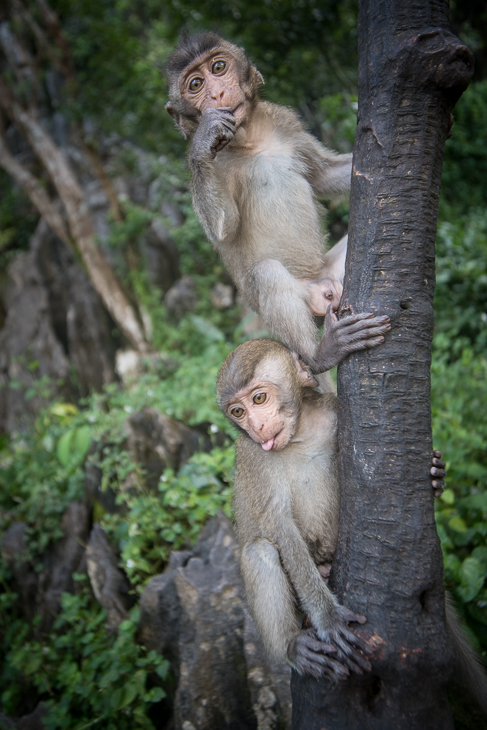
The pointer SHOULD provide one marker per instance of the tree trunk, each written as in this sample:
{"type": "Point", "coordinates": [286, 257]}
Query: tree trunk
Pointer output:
{"type": "Point", "coordinates": [388, 563]}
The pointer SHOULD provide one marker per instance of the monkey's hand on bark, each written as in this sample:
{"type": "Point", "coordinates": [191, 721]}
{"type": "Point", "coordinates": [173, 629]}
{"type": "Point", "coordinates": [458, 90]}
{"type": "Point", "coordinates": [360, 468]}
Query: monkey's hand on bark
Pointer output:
{"type": "Point", "coordinates": [216, 129]}
{"type": "Point", "coordinates": [439, 473]}
{"type": "Point", "coordinates": [350, 648]}
{"type": "Point", "coordinates": [333, 653]}
{"type": "Point", "coordinates": [341, 337]}
{"type": "Point", "coordinates": [308, 655]}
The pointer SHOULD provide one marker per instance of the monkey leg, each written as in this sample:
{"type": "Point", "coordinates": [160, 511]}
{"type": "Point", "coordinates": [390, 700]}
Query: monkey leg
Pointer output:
{"type": "Point", "coordinates": [273, 607]}
{"type": "Point", "coordinates": [282, 301]}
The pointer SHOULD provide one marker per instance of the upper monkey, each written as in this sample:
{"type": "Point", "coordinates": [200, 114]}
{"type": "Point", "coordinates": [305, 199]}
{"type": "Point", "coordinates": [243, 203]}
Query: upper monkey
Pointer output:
{"type": "Point", "coordinates": [256, 176]}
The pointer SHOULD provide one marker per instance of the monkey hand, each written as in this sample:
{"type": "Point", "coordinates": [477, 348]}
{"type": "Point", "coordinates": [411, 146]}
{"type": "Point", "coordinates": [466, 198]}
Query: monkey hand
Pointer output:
{"type": "Point", "coordinates": [439, 473]}
{"type": "Point", "coordinates": [216, 129]}
{"type": "Point", "coordinates": [308, 655]}
{"type": "Point", "coordinates": [341, 337]}
{"type": "Point", "coordinates": [350, 648]}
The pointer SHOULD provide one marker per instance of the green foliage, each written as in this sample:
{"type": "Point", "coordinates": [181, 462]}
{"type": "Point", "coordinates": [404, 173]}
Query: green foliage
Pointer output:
{"type": "Point", "coordinates": [41, 474]}
{"type": "Point", "coordinates": [459, 394]}
{"type": "Point", "coordinates": [84, 675]}
{"type": "Point", "coordinates": [170, 519]}
{"type": "Point", "coordinates": [465, 165]}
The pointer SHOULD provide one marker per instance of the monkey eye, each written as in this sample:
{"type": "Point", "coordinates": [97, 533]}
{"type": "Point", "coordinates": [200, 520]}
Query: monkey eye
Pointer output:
{"type": "Point", "coordinates": [259, 398]}
{"type": "Point", "coordinates": [195, 84]}
{"type": "Point", "coordinates": [237, 411]}
{"type": "Point", "coordinates": [218, 67]}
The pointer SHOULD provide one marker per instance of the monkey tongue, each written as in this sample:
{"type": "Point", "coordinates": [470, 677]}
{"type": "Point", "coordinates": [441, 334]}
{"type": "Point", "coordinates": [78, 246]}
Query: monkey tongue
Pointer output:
{"type": "Point", "coordinates": [267, 445]}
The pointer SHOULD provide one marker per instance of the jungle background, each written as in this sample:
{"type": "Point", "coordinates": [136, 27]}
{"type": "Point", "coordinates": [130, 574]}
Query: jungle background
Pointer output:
{"type": "Point", "coordinates": [85, 404]}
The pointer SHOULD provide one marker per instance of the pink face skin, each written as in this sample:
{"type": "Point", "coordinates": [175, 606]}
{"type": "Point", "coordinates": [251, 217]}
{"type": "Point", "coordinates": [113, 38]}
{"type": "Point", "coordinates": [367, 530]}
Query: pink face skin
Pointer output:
{"type": "Point", "coordinates": [322, 293]}
{"type": "Point", "coordinates": [257, 409]}
{"type": "Point", "coordinates": [266, 408]}
{"type": "Point", "coordinates": [213, 83]}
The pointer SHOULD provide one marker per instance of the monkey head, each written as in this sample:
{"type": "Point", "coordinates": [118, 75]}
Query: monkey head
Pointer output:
{"type": "Point", "coordinates": [322, 293]}
{"type": "Point", "coordinates": [260, 390]}
{"type": "Point", "coordinates": [207, 72]}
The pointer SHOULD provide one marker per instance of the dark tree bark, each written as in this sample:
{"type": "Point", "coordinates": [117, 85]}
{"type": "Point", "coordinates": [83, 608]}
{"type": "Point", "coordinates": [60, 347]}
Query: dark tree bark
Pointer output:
{"type": "Point", "coordinates": [388, 563]}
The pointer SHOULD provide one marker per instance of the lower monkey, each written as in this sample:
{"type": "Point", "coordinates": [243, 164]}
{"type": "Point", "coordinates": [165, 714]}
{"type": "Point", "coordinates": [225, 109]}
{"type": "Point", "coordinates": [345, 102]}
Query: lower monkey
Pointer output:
{"type": "Point", "coordinates": [287, 510]}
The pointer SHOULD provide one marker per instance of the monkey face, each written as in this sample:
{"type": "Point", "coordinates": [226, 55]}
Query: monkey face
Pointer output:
{"type": "Point", "coordinates": [213, 82]}
{"type": "Point", "coordinates": [322, 293]}
{"type": "Point", "coordinates": [268, 407]}
{"type": "Point", "coordinates": [261, 411]}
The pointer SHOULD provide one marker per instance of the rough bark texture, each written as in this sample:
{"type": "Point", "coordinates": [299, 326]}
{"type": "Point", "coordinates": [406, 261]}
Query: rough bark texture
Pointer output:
{"type": "Point", "coordinates": [388, 563]}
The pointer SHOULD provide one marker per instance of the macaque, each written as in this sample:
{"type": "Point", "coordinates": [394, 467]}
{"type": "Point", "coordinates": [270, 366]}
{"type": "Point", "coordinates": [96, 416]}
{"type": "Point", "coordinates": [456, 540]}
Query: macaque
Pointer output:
{"type": "Point", "coordinates": [256, 176]}
{"type": "Point", "coordinates": [287, 507]}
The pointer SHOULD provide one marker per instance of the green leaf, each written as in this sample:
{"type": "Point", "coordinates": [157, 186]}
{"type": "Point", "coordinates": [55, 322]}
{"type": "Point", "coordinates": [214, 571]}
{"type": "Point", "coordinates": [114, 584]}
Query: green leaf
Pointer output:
{"type": "Point", "coordinates": [448, 496]}
{"type": "Point", "coordinates": [207, 329]}
{"type": "Point", "coordinates": [129, 693]}
{"type": "Point", "coordinates": [472, 575]}
{"type": "Point", "coordinates": [81, 442]}
{"type": "Point", "coordinates": [480, 553]}
{"type": "Point", "coordinates": [116, 699]}
{"type": "Point", "coordinates": [155, 694]}
{"type": "Point", "coordinates": [457, 524]}
{"type": "Point", "coordinates": [63, 451]}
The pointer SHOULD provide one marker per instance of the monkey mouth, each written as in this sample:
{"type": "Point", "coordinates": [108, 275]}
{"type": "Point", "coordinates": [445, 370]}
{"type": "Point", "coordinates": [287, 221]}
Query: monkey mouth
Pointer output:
{"type": "Point", "coordinates": [269, 444]}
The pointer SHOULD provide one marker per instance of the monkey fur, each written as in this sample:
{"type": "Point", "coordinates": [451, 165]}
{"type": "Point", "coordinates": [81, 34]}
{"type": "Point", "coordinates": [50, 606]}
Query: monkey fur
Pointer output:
{"type": "Point", "coordinates": [287, 513]}
{"type": "Point", "coordinates": [286, 508]}
{"type": "Point", "coordinates": [256, 177]}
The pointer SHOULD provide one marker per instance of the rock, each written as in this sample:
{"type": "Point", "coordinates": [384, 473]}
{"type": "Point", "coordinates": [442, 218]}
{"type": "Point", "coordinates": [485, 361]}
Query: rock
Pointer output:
{"type": "Point", "coordinates": [157, 441]}
{"type": "Point", "coordinates": [222, 296]}
{"type": "Point", "coordinates": [40, 593]}
{"type": "Point", "coordinates": [181, 297]}
{"type": "Point", "coordinates": [28, 336]}
{"type": "Point", "coordinates": [195, 615]}
{"type": "Point", "coordinates": [55, 321]}
{"type": "Point", "coordinates": [14, 550]}
{"type": "Point", "coordinates": [161, 256]}
{"type": "Point", "coordinates": [160, 611]}
{"type": "Point", "coordinates": [33, 721]}
{"type": "Point", "coordinates": [130, 365]}
{"type": "Point", "coordinates": [79, 318]}
{"type": "Point", "coordinates": [173, 213]}
{"type": "Point", "coordinates": [61, 561]}
{"type": "Point", "coordinates": [109, 583]}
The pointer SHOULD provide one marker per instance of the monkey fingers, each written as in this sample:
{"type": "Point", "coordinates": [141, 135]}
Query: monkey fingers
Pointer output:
{"type": "Point", "coordinates": [438, 471]}
{"type": "Point", "coordinates": [341, 337]}
{"type": "Point", "coordinates": [217, 128]}
{"type": "Point", "coordinates": [309, 655]}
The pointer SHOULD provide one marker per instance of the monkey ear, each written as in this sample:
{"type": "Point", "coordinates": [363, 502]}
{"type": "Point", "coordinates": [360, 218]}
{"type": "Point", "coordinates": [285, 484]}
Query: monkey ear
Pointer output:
{"type": "Point", "coordinates": [306, 377]}
{"type": "Point", "coordinates": [257, 78]}
{"type": "Point", "coordinates": [177, 118]}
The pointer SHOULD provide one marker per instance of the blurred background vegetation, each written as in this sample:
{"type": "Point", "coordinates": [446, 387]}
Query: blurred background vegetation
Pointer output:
{"type": "Point", "coordinates": [115, 90]}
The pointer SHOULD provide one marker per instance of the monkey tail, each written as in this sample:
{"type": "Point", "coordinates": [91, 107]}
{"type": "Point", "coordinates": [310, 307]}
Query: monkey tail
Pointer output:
{"type": "Point", "coordinates": [473, 675]}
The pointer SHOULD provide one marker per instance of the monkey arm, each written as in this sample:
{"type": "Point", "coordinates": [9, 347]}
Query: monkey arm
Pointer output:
{"type": "Point", "coordinates": [269, 596]}
{"type": "Point", "coordinates": [214, 206]}
{"type": "Point", "coordinates": [272, 604]}
{"type": "Point", "coordinates": [329, 619]}
{"type": "Point", "coordinates": [282, 301]}
{"type": "Point", "coordinates": [212, 201]}
{"type": "Point", "coordinates": [328, 173]}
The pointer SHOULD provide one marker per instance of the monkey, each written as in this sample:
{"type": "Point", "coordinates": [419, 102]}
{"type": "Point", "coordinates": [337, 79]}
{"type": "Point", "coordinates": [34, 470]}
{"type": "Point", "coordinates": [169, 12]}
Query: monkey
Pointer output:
{"type": "Point", "coordinates": [286, 507]}
{"type": "Point", "coordinates": [256, 177]}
